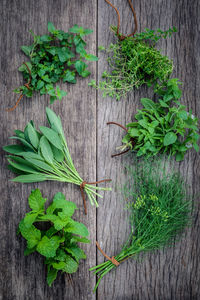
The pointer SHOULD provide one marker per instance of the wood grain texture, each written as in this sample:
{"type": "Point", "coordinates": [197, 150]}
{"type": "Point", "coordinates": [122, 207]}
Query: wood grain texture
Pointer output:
{"type": "Point", "coordinates": [169, 274]}
{"type": "Point", "coordinates": [172, 273]}
{"type": "Point", "coordinates": [25, 277]}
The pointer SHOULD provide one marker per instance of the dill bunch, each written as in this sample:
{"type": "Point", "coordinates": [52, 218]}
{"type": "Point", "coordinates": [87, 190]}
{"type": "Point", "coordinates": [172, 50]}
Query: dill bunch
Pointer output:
{"type": "Point", "coordinates": [159, 207]}
{"type": "Point", "coordinates": [134, 61]}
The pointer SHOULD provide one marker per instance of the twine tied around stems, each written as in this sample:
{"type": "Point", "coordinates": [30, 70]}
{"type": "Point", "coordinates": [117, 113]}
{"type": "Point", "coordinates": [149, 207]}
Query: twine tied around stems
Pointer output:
{"type": "Point", "coordinates": [132, 140]}
{"type": "Point", "coordinates": [82, 186]}
{"type": "Point", "coordinates": [121, 36]}
{"type": "Point", "coordinates": [21, 96]}
{"type": "Point", "coordinates": [112, 259]}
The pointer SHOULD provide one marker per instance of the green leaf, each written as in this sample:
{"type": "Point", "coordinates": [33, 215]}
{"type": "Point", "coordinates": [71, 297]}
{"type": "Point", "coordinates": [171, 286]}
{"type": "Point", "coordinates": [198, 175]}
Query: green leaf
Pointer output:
{"type": "Point", "coordinates": [76, 252]}
{"type": "Point", "coordinates": [40, 84]}
{"type": "Point", "coordinates": [183, 115]}
{"type": "Point", "coordinates": [46, 150]}
{"type": "Point", "coordinates": [54, 121]}
{"type": "Point", "coordinates": [170, 138]}
{"type": "Point", "coordinates": [59, 201]}
{"type": "Point", "coordinates": [69, 76]}
{"type": "Point", "coordinates": [80, 66]}
{"type": "Point", "coordinates": [85, 73]}
{"type": "Point", "coordinates": [79, 239]}
{"type": "Point", "coordinates": [23, 141]}
{"type": "Point", "coordinates": [51, 27]}
{"type": "Point", "coordinates": [30, 219]}
{"type": "Point", "coordinates": [179, 156]}
{"type": "Point", "coordinates": [47, 247]}
{"type": "Point", "coordinates": [40, 164]}
{"type": "Point", "coordinates": [148, 103]}
{"type": "Point", "coordinates": [30, 178]}
{"type": "Point", "coordinates": [33, 137]}
{"type": "Point", "coordinates": [31, 234]}
{"type": "Point", "coordinates": [36, 201]}
{"type": "Point", "coordinates": [51, 276]}
{"type": "Point", "coordinates": [58, 154]}
{"type": "Point", "coordinates": [60, 93]}
{"type": "Point", "coordinates": [22, 167]}
{"type": "Point", "coordinates": [80, 30]}
{"type": "Point", "coordinates": [90, 57]}
{"type": "Point", "coordinates": [52, 137]}
{"type": "Point", "coordinates": [27, 49]}
{"type": "Point", "coordinates": [59, 265]}
{"type": "Point", "coordinates": [14, 149]}
{"type": "Point", "coordinates": [71, 265]}
{"type": "Point", "coordinates": [76, 228]}
{"type": "Point", "coordinates": [134, 132]}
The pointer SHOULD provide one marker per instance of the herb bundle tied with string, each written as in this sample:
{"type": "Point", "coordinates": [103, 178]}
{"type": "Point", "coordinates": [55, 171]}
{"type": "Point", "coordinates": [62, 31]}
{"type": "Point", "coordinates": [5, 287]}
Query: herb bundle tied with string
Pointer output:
{"type": "Point", "coordinates": [133, 61]}
{"type": "Point", "coordinates": [44, 155]}
{"type": "Point", "coordinates": [159, 206]}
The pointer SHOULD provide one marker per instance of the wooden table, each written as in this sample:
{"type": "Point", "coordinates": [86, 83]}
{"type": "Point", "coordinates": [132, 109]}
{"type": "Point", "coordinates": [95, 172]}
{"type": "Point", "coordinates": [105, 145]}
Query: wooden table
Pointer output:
{"type": "Point", "coordinates": [170, 274]}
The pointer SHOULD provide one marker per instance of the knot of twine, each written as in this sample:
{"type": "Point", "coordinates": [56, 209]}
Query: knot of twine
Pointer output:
{"type": "Point", "coordinates": [21, 96]}
{"type": "Point", "coordinates": [121, 36]}
{"type": "Point", "coordinates": [112, 259]}
{"type": "Point", "coordinates": [82, 186]}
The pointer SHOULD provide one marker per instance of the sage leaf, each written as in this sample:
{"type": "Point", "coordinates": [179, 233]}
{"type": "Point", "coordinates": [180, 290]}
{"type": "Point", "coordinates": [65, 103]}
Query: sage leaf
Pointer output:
{"type": "Point", "coordinates": [46, 150]}
{"type": "Point", "coordinates": [30, 178]}
{"type": "Point", "coordinates": [52, 137]}
{"type": "Point", "coordinates": [33, 137]}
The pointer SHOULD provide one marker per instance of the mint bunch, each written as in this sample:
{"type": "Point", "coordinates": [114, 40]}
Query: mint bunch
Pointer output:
{"type": "Point", "coordinates": [58, 244]}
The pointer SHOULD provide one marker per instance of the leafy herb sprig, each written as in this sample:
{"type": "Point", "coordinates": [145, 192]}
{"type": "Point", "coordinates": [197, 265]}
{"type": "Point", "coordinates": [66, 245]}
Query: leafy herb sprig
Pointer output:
{"type": "Point", "coordinates": [163, 126]}
{"type": "Point", "coordinates": [58, 244]}
{"type": "Point", "coordinates": [54, 57]}
{"type": "Point", "coordinates": [134, 61]}
{"type": "Point", "coordinates": [159, 207]}
{"type": "Point", "coordinates": [44, 155]}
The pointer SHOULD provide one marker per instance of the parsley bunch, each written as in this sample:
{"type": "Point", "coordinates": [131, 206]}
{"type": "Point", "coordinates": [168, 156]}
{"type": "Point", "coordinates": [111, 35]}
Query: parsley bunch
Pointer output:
{"type": "Point", "coordinates": [58, 244]}
{"type": "Point", "coordinates": [54, 57]}
{"type": "Point", "coordinates": [159, 207]}
{"type": "Point", "coordinates": [44, 155]}
{"type": "Point", "coordinates": [163, 126]}
{"type": "Point", "coordinates": [134, 61]}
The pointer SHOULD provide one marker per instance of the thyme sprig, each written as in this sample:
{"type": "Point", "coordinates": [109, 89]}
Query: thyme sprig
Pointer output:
{"type": "Point", "coordinates": [134, 61]}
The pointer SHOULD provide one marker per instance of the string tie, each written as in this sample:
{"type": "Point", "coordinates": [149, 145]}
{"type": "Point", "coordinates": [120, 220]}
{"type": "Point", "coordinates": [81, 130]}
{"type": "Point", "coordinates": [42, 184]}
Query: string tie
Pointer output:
{"type": "Point", "coordinates": [112, 259]}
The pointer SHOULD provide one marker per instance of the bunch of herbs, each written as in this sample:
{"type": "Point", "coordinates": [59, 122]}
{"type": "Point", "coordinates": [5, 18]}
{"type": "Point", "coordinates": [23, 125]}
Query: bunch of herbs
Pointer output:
{"type": "Point", "coordinates": [57, 56]}
{"type": "Point", "coordinates": [134, 61]}
{"type": "Point", "coordinates": [44, 155]}
{"type": "Point", "coordinates": [163, 126]}
{"type": "Point", "coordinates": [58, 244]}
{"type": "Point", "coordinates": [160, 209]}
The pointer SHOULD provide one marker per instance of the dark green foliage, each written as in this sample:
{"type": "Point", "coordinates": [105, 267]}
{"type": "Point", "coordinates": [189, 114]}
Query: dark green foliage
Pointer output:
{"type": "Point", "coordinates": [54, 57]}
{"type": "Point", "coordinates": [44, 155]}
{"type": "Point", "coordinates": [163, 126]}
{"type": "Point", "coordinates": [58, 244]}
{"type": "Point", "coordinates": [159, 207]}
{"type": "Point", "coordinates": [133, 62]}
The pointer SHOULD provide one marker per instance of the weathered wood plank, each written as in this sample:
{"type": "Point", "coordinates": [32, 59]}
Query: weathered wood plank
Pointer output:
{"type": "Point", "coordinates": [25, 278]}
{"type": "Point", "coordinates": [173, 273]}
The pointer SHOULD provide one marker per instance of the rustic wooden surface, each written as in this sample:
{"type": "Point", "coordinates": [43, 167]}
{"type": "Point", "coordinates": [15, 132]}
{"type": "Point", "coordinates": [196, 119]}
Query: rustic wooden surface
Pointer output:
{"type": "Point", "coordinates": [169, 274]}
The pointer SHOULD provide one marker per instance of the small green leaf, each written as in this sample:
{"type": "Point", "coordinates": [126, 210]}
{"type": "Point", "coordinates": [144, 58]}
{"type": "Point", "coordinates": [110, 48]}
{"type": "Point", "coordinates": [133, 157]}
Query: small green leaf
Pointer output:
{"type": "Point", "coordinates": [54, 121]}
{"type": "Point", "coordinates": [30, 178]}
{"type": "Point", "coordinates": [77, 228]}
{"type": "Point", "coordinates": [27, 49]}
{"type": "Point", "coordinates": [46, 150]}
{"type": "Point", "coordinates": [33, 137]}
{"type": "Point", "coordinates": [51, 276]}
{"type": "Point", "coordinates": [71, 265]}
{"type": "Point", "coordinates": [80, 66]}
{"type": "Point", "coordinates": [30, 219]}
{"type": "Point", "coordinates": [36, 201]}
{"type": "Point", "coordinates": [52, 137]}
{"type": "Point", "coordinates": [69, 77]}
{"type": "Point", "coordinates": [31, 234]}
{"type": "Point", "coordinates": [51, 27]}
{"type": "Point", "coordinates": [148, 103]}
{"type": "Point", "coordinates": [14, 149]}
{"type": "Point", "coordinates": [47, 247]}
{"type": "Point", "coordinates": [170, 138]}
{"type": "Point", "coordinates": [90, 57]}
